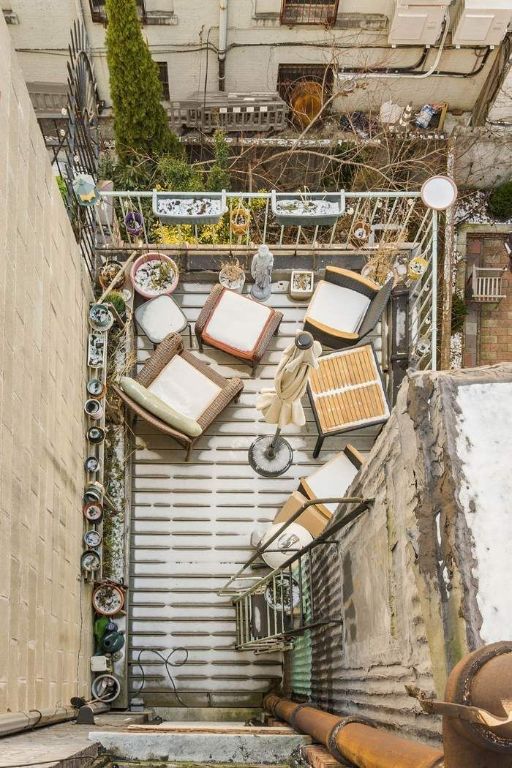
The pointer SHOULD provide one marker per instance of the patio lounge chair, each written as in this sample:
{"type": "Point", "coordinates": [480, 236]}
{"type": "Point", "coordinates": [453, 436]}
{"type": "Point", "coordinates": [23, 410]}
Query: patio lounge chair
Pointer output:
{"type": "Point", "coordinates": [332, 479]}
{"type": "Point", "coordinates": [345, 307]}
{"type": "Point", "coordinates": [236, 324]}
{"type": "Point", "coordinates": [175, 379]}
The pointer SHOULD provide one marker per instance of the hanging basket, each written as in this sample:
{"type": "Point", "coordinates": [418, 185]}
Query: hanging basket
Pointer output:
{"type": "Point", "coordinates": [240, 220]}
{"type": "Point", "coordinates": [134, 223]}
{"type": "Point", "coordinates": [417, 268]}
{"type": "Point", "coordinates": [361, 233]}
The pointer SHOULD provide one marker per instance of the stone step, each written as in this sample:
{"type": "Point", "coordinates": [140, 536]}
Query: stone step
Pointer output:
{"type": "Point", "coordinates": [241, 749]}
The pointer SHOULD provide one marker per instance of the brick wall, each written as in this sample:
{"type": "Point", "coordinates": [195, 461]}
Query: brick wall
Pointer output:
{"type": "Point", "coordinates": [43, 296]}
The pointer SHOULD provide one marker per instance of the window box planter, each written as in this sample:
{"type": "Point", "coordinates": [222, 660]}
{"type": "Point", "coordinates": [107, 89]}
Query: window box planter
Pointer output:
{"type": "Point", "coordinates": [302, 209]}
{"type": "Point", "coordinates": [189, 207]}
{"type": "Point", "coordinates": [302, 284]}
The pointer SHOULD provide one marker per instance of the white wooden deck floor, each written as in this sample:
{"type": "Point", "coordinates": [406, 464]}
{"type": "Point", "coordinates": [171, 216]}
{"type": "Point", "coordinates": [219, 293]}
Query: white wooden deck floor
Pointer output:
{"type": "Point", "coordinates": [191, 527]}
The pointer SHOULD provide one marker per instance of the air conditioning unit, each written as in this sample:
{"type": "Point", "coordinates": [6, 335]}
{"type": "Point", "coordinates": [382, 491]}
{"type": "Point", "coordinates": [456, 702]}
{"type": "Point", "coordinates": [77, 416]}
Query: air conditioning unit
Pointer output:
{"type": "Point", "coordinates": [415, 24]}
{"type": "Point", "coordinates": [482, 22]}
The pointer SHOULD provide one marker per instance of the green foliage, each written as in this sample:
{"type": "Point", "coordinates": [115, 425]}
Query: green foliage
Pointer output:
{"type": "Point", "coordinates": [500, 201]}
{"type": "Point", "coordinates": [218, 177]}
{"type": "Point", "coordinates": [140, 121]}
{"type": "Point", "coordinates": [62, 188]}
{"type": "Point", "coordinates": [177, 175]}
{"type": "Point", "coordinates": [459, 312]}
{"type": "Point", "coordinates": [117, 300]}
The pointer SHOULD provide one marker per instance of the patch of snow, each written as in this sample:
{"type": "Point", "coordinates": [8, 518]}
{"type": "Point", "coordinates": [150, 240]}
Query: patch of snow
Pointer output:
{"type": "Point", "coordinates": [456, 349]}
{"type": "Point", "coordinates": [306, 207]}
{"type": "Point", "coordinates": [472, 209]}
{"type": "Point", "coordinates": [484, 446]}
{"type": "Point", "coordinates": [188, 207]}
{"type": "Point", "coordinates": [400, 326]}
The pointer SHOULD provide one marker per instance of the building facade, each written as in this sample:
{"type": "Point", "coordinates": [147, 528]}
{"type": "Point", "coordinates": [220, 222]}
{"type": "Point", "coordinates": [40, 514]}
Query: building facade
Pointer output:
{"type": "Point", "coordinates": [362, 52]}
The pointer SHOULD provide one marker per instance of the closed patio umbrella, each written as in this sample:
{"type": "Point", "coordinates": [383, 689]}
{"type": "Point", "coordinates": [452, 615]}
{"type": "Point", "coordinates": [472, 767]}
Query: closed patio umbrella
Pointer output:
{"type": "Point", "coordinates": [281, 405]}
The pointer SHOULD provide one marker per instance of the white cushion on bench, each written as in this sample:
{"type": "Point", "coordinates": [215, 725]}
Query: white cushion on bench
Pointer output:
{"type": "Point", "coordinates": [338, 307]}
{"type": "Point", "coordinates": [184, 388]}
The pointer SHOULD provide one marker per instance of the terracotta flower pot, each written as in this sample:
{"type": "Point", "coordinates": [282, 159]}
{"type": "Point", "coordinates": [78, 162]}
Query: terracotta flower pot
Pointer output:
{"type": "Point", "coordinates": [146, 290]}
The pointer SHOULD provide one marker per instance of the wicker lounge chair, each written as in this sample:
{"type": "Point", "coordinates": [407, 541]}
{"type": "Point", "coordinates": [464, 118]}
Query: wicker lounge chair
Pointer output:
{"type": "Point", "coordinates": [345, 308]}
{"type": "Point", "coordinates": [237, 325]}
{"type": "Point", "coordinates": [185, 383]}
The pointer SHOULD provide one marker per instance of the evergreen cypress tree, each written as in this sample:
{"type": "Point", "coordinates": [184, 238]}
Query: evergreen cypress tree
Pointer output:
{"type": "Point", "coordinates": [140, 121]}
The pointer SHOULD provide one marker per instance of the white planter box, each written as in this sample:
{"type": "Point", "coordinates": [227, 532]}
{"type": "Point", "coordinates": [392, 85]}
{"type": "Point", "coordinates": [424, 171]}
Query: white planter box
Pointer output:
{"type": "Point", "coordinates": [302, 284]}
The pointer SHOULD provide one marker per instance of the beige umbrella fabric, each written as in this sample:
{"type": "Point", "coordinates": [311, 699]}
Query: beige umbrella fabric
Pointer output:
{"type": "Point", "coordinates": [282, 404]}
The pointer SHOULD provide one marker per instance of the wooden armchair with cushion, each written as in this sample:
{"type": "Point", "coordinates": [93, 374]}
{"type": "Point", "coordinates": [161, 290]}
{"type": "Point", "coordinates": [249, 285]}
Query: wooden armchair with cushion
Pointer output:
{"type": "Point", "coordinates": [177, 393]}
{"type": "Point", "coordinates": [345, 307]}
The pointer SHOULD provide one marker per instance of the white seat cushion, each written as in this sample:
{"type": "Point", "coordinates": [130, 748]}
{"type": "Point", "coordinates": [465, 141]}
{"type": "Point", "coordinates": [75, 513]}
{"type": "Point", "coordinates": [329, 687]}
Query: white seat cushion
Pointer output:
{"type": "Point", "coordinates": [159, 317]}
{"type": "Point", "coordinates": [237, 322]}
{"type": "Point", "coordinates": [338, 307]}
{"type": "Point", "coordinates": [184, 388]}
{"type": "Point", "coordinates": [332, 479]}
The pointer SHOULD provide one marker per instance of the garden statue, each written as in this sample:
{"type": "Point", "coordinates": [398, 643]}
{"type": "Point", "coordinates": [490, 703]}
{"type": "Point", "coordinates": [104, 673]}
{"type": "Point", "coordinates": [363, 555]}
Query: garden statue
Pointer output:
{"type": "Point", "coordinates": [261, 270]}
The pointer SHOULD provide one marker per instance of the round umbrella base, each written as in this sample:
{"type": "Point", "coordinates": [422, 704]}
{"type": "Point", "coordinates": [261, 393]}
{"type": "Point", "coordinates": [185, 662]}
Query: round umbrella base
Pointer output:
{"type": "Point", "coordinates": [272, 466]}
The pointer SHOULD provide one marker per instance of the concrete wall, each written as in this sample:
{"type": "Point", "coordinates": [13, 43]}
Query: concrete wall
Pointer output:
{"type": "Point", "coordinates": [403, 578]}
{"type": "Point", "coordinates": [43, 294]}
{"type": "Point", "coordinates": [260, 43]}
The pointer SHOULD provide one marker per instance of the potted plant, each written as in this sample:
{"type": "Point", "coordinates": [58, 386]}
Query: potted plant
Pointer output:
{"type": "Point", "coordinates": [134, 223]}
{"type": "Point", "coordinates": [154, 274]}
{"type": "Point", "coordinates": [117, 302]}
{"type": "Point", "coordinates": [108, 273]}
{"type": "Point", "coordinates": [302, 283]}
{"type": "Point", "coordinates": [189, 207]}
{"type": "Point", "coordinates": [232, 275]}
{"type": "Point", "coordinates": [100, 317]}
{"type": "Point", "coordinates": [304, 209]}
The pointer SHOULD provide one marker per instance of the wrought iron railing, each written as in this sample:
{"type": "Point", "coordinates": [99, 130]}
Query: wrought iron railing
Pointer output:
{"type": "Point", "coordinates": [282, 604]}
{"type": "Point", "coordinates": [396, 220]}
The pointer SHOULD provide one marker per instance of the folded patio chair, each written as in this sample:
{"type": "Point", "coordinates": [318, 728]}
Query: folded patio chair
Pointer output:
{"type": "Point", "coordinates": [345, 307]}
{"type": "Point", "coordinates": [236, 324]}
{"type": "Point", "coordinates": [332, 479]}
{"type": "Point", "coordinates": [177, 393]}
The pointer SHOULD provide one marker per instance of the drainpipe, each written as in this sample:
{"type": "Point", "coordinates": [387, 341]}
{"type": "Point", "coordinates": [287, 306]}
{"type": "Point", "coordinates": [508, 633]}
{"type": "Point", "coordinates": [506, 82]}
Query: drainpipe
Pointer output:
{"type": "Point", "coordinates": [17, 722]}
{"type": "Point", "coordinates": [223, 42]}
{"type": "Point", "coordinates": [354, 738]}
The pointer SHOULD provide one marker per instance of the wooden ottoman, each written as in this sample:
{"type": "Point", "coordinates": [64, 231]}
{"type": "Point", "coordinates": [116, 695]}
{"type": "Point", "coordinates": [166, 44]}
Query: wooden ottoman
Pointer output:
{"type": "Point", "coordinates": [237, 325]}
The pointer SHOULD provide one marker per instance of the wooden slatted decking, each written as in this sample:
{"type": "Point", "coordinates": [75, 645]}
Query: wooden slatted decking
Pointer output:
{"type": "Point", "coordinates": [191, 527]}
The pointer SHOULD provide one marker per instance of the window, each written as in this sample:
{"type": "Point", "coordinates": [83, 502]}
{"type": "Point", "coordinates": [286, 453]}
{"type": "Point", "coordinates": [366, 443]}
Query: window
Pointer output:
{"type": "Point", "coordinates": [309, 11]}
{"type": "Point", "coordinates": [163, 74]}
{"type": "Point", "coordinates": [98, 9]}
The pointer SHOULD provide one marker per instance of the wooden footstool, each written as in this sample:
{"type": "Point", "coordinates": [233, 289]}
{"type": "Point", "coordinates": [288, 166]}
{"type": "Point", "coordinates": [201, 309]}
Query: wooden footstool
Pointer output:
{"type": "Point", "coordinates": [347, 392]}
{"type": "Point", "coordinates": [238, 325]}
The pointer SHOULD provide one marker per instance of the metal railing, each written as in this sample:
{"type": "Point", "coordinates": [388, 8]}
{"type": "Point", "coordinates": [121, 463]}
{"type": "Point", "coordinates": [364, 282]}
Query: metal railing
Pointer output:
{"type": "Point", "coordinates": [371, 220]}
{"type": "Point", "coordinates": [281, 604]}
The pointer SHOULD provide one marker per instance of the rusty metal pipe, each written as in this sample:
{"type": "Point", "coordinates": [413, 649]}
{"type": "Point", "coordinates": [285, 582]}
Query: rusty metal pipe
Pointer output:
{"type": "Point", "coordinates": [481, 679]}
{"type": "Point", "coordinates": [353, 738]}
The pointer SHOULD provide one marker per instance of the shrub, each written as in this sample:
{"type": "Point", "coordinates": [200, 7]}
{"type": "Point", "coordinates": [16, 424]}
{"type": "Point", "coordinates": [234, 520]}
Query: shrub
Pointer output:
{"type": "Point", "coordinates": [459, 312]}
{"type": "Point", "coordinates": [500, 201]}
{"type": "Point", "coordinates": [218, 177]}
{"type": "Point", "coordinates": [177, 175]}
{"type": "Point", "coordinates": [116, 298]}
{"type": "Point", "coordinates": [140, 121]}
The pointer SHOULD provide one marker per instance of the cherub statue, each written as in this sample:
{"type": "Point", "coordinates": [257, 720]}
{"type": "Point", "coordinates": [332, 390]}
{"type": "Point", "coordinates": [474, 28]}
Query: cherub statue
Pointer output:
{"type": "Point", "coordinates": [261, 270]}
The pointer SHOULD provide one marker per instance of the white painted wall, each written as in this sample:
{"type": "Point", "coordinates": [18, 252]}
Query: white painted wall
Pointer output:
{"type": "Point", "coordinates": [41, 38]}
